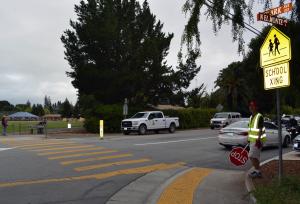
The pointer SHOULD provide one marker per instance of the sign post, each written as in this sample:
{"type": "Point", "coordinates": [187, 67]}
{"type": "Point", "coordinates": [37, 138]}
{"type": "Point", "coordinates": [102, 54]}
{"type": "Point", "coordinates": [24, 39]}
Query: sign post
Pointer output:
{"type": "Point", "coordinates": [275, 54]}
{"type": "Point", "coordinates": [125, 108]}
{"type": "Point", "coordinates": [101, 129]}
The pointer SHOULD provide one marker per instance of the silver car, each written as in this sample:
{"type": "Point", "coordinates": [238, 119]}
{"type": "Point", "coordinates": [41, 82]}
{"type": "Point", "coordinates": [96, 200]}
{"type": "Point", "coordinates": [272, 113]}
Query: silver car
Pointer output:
{"type": "Point", "coordinates": [236, 134]}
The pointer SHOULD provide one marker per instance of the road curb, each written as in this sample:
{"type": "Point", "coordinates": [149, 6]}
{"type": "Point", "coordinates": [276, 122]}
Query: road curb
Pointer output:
{"type": "Point", "coordinates": [147, 188]}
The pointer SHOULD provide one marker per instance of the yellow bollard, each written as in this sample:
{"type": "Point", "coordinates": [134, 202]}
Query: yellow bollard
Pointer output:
{"type": "Point", "coordinates": [101, 128]}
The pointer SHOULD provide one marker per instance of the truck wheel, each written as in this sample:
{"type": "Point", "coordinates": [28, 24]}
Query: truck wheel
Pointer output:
{"type": "Point", "coordinates": [126, 132]}
{"type": "Point", "coordinates": [142, 129]}
{"type": "Point", "coordinates": [172, 128]}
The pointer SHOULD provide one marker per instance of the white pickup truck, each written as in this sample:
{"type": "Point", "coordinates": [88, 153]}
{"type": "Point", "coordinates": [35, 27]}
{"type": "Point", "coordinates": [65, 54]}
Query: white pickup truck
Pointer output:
{"type": "Point", "coordinates": [149, 120]}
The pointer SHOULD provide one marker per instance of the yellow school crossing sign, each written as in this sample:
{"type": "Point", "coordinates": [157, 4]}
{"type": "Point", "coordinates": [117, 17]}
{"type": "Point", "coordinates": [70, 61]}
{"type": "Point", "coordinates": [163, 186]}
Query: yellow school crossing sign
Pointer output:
{"type": "Point", "coordinates": [277, 76]}
{"type": "Point", "coordinates": [275, 49]}
{"type": "Point", "coordinates": [275, 54]}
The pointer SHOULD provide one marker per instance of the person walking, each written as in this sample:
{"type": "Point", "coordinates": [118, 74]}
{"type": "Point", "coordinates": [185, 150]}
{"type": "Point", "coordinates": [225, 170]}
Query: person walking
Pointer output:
{"type": "Point", "coordinates": [270, 47]}
{"type": "Point", "coordinates": [276, 42]}
{"type": "Point", "coordinates": [256, 137]}
{"type": "Point", "coordinates": [4, 125]}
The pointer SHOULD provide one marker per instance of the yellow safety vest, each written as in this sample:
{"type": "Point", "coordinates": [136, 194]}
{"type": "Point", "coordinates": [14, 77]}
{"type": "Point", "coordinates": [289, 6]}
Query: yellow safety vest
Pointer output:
{"type": "Point", "coordinates": [254, 130]}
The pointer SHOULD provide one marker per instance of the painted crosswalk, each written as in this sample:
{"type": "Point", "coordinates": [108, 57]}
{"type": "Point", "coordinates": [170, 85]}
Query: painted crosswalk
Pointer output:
{"type": "Point", "coordinates": [92, 160]}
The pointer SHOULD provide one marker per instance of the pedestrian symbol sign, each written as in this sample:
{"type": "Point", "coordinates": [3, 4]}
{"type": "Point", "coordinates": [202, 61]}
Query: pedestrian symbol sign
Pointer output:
{"type": "Point", "coordinates": [276, 48]}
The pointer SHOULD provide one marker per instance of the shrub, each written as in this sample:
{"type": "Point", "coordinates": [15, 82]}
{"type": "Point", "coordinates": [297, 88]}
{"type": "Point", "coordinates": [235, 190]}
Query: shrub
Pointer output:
{"type": "Point", "coordinates": [192, 117]}
{"type": "Point", "coordinates": [112, 116]}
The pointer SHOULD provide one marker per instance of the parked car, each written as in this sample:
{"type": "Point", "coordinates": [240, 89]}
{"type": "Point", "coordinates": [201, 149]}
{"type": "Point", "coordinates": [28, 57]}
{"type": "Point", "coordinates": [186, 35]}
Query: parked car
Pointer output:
{"type": "Point", "coordinates": [236, 134]}
{"type": "Point", "coordinates": [285, 119]}
{"type": "Point", "coordinates": [223, 119]}
{"type": "Point", "coordinates": [296, 145]}
{"type": "Point", "coordinates": [141, 122]}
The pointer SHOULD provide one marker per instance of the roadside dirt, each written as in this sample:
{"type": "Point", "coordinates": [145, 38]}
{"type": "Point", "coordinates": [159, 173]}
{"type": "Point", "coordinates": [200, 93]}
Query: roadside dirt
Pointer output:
{"type": "Point", "coordinates": [270, 171]}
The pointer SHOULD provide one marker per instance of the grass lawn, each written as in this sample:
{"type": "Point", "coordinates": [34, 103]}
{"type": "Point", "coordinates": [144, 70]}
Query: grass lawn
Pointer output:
{"type": "Point", "coordinates": [286, 193]}
{"type": "Point", "coordinates": [24, 126]}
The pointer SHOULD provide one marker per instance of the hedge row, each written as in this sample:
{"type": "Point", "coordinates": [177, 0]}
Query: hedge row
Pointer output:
{"type": "Point", "coordinates": [191, 117]}
{"type": "Point", "coordinates": [112, 116]}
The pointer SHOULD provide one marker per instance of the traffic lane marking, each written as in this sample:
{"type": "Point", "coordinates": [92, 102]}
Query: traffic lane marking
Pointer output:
{"type": "Point", "coordinates": [71, 151]}
{"type": "Point", "coordinates": [80, 155]}
{"type": "Point", "coordinates": [174, 141]}
{"type": "Point", "coordinates": [138, 170]}
{"type": "Point", "coordinates": [182, 189]}
{"type": "Point", "coordinates": [68, 162]}
{"type": "Point", "coordinates": [76, 146]}
{"type": "Point", "coordinates": [3, 149]}
{"type": "Point", "coordinates": [119, 163]}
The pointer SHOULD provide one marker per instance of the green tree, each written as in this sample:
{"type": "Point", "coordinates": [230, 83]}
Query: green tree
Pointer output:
{"type": "Point", "coordinates": [66, 109]}
{"type": "Point", "coordinates": [76, 110]}
{"type": "Point", "coordinates": [224, 11]}
{"type": "Point", "coordinates": [21, 107]}
{"type": "Point", "coordinates": [6, 106]}
{"type": "Point", "coordinates": [195, 97]}
{"type": "Point", "coordinates": [37, 109]}
{"type": "Point", "coordinates": [47, 104]}
{"type": "Point", "coordinates": [233, 86]}
{"type": "Point", "coordinates": [117, 50]}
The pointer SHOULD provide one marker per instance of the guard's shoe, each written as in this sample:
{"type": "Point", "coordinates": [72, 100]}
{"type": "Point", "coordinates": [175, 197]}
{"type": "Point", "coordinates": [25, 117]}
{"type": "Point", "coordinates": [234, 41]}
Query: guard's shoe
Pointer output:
{"type": "Point", "coordinates": [255, 174]}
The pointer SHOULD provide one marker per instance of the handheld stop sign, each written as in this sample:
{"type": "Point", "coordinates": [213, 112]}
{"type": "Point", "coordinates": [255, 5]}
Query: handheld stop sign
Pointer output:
{"type": "Point", "coordinates": [239, 156]}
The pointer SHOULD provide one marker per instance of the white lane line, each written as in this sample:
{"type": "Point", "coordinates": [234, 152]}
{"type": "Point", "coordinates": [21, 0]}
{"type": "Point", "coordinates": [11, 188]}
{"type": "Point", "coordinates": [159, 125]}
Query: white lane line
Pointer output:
{"type": "Point", "coordinates": [174, 141]}
{"type": "Point", "coordinates": [3, 149]}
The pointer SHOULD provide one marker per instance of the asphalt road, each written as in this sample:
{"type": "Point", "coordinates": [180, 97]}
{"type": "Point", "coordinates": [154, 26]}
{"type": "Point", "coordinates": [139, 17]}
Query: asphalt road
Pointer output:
{"type": "Point", "coordinates": [89, 170]}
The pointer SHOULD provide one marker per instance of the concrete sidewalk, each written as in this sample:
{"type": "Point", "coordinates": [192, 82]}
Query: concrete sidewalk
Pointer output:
{"type": "Point", "coordinates": [185, 186]}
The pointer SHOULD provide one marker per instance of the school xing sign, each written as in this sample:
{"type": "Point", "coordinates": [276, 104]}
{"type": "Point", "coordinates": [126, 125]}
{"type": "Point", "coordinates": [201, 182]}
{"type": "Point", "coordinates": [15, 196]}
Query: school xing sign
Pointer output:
{"type": "Point", "coordinates": [275, 54]}
{"type": "Point", "coordinates": [277, 76]}
{"type": "Point", "coordinates": [275, 49]}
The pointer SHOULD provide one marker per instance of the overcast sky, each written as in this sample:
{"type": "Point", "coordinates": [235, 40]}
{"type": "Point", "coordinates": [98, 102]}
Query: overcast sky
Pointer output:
{"type": "Point", "coordinates": [32, 62]}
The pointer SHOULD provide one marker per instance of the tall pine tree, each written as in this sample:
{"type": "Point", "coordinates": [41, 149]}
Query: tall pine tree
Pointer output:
{"type": "Point", "coordinates": [117, 50]}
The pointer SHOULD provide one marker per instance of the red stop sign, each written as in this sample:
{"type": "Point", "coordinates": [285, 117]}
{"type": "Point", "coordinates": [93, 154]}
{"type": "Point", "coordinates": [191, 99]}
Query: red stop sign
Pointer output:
{"type": "Point", "coordinates": [238, 156]}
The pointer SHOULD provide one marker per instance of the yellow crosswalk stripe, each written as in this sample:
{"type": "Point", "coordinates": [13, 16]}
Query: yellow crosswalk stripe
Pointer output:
{"type": "Point", "coordinates": [34, 141]}
{"type": "Point", "coordinates": [71, 151]}
{"type": "Point", "coordinates": [43, 144]}
{"type": "Point", "coordinates": [139, 170]}
{"type": "Point", "coordinates": [95, 159]}
{"type": "Point", "coordinates": [119, 163]}
{"type": "Point", "coordinates": [77, 146]}
{"type": "Point", "coordinates": [83, 154]}
{"type": "Point", "coordinates": [50, 146]}
{"type": "Point", "coordinates": [182, 189]}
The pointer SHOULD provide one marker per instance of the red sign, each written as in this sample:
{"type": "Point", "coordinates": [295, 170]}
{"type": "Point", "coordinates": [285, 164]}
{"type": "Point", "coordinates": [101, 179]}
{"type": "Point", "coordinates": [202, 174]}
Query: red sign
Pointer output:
{"type": "Point", "coordinates": [279, 10]}
{"type": "Point", "coordinates": [272, 19]}
{"type": "Point", "coordinates": [238, 156]}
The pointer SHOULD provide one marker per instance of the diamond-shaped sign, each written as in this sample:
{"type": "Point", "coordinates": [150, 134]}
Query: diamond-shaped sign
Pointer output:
{"type": "Point", "coordinates": [275, 49]}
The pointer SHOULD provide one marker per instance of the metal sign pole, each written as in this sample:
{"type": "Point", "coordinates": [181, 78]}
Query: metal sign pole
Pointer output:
{"type": "Point", "coordinates": [280, 169]}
